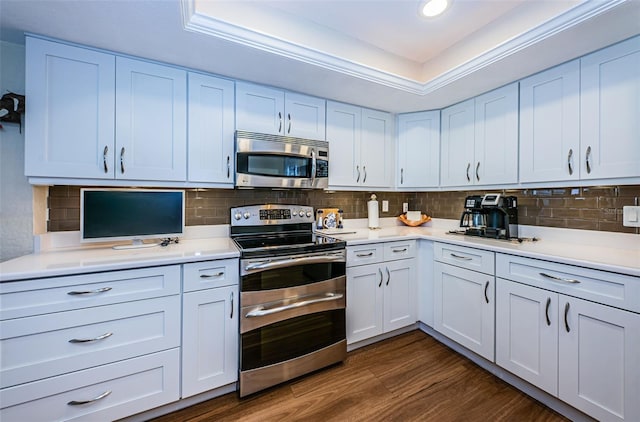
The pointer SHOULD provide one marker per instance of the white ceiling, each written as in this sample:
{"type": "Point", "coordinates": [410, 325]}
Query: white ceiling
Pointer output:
{"type": "Point", "coordinates": [375, 53]}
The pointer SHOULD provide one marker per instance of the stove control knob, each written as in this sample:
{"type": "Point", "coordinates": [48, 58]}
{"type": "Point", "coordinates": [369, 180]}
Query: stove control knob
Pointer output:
{"type": "Point", "coordinates": [237, 216]}
{"type": "Point", "coordinates": [301, 214]}
{"type": "Point", "coordinates": [246, 215]}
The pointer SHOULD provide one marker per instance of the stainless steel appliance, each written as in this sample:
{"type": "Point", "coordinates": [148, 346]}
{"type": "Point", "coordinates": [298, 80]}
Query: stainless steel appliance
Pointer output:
{"type": "Point", "coordinates": [274, 161]}
{"type": "Point", "coordinates": [491, 215]}
{"type": "Point", "coordinates": [292, 295]}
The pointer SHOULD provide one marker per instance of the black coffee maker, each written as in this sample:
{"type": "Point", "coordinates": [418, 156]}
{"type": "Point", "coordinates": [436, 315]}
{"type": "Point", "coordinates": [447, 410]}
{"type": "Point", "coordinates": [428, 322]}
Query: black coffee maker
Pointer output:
{"type": "Point", "coordinates": [474, 217]}
{"type": "Point", "coordinates": [502, 216]}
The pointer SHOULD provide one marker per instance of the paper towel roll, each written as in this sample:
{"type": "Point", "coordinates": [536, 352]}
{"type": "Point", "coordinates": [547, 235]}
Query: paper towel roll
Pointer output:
{"type": "Point", "coordinates": [372, 209]}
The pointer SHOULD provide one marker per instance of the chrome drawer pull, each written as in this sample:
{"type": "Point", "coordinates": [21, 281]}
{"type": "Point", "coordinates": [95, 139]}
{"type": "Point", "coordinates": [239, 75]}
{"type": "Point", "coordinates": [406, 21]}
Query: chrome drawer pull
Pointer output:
{"type": "Point", "coordinates": [399, 250]}
{"type": "Point", "coordinates": [212, 275]}
{"type": "Point", "coordinates": [261, 311]}
{"type": "Point", "coordinates": [564, 280]}
{"type": "Point", "coordinates": [388, 275]}
{"type": "Point", "coordinates": [546, 311]}
{"type": "Point", "coordinates": [466, 258]}
{"type": "Point", "coordinates": [381, 277]}
{"type": "Point", "coordinates": [89, 292]}
{"type": "Point", "coordinates": [80, 402]}
{"type": "Point", "coordinates": [364, 255]}
{"type": "Point", "coordinates": [89, 340]}
{"type": "Point", "coordinates": [566, 317]}
{"type": "Point", "coordinates": [486, 286]}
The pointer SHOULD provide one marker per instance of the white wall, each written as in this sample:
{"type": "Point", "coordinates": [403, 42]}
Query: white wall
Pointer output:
{"type": "Point", "coordinates": [16, 205]}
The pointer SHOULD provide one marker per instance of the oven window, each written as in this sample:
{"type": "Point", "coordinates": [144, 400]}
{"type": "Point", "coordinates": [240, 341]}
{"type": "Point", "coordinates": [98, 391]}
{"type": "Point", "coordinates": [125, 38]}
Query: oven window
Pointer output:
{"type": "Point", "coordinates": [274, 165]}
{"type": "Point", "coordinates": [291, 338]}
{"type": "Point", "coordinates": [298, 275]}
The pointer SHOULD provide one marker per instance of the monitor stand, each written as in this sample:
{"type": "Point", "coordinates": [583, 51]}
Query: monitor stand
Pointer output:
{"type": "Point", "coordinates": [136, 244]}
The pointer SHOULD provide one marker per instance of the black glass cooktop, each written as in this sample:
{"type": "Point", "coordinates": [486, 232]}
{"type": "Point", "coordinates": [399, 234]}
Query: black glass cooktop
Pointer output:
{"type": "Point", "coordinates": [286, 244]}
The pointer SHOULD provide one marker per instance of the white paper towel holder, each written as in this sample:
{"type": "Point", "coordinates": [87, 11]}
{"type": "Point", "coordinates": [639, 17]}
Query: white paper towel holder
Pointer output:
{"type": "Point", "coordinates": [373, 213]}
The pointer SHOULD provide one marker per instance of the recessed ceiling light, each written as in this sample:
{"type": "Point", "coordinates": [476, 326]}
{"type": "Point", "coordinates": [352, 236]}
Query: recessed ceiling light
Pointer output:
{"type": "Point", "coordinates": [433, 8]}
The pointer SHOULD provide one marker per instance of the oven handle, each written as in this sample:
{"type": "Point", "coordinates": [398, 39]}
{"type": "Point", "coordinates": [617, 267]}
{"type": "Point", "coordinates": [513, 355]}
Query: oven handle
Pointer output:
{"type": "Point", "coordinates": [290, 262]}
{"type": "Point", "coordinates": [260, 311]}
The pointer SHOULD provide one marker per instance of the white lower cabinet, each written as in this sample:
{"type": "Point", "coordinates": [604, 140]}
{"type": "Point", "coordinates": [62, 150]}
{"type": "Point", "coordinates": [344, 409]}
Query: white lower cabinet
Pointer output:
{"type": "Point", "coordinates": [583, 352]}
{"type": "Point", "coordinates": [381, 297]}
{"type": "Point", "coordinates": [209, 325]}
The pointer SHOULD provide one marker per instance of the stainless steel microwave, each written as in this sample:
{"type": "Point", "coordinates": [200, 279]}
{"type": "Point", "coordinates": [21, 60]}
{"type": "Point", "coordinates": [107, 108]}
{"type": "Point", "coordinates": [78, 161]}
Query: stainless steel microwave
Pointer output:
{"type": "Point", "coordinates": [273, 161]}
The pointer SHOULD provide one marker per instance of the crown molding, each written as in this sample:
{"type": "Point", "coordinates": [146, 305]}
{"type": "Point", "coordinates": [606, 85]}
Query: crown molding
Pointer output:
{"type": "Point", "coordinates": [208, 25]}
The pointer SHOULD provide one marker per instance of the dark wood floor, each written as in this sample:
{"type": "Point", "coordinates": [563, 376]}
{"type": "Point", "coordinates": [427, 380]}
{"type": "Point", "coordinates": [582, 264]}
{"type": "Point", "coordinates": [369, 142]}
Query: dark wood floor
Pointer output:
{"type": "Point", "coordinates": [411, 377]}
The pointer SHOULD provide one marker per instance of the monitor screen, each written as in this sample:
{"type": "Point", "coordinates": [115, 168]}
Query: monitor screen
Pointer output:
{"type": "Point", "coordinates": [123, 214]}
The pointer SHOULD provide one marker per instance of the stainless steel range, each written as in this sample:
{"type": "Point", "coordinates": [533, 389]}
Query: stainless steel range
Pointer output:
{"type": "Point", "coordinates": [292, 295]}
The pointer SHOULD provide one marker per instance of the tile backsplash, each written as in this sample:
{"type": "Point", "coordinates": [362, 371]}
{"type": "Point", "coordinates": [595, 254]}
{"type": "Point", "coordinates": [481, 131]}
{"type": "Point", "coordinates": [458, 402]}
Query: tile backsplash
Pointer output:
{"type": "Point", "coordinates": [589, 208]}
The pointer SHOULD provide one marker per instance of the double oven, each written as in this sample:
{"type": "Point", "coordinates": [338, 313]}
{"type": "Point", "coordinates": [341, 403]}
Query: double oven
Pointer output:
{"type": "Point", "coordinates": [292, 295]}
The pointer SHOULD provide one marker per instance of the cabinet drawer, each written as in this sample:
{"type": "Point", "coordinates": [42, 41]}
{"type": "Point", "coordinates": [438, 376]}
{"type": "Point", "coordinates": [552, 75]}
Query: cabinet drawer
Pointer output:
{"type": "Point", "coordinates": [210, 274]}
{"type": "Point", "coordinates": [57, 294]}
{"type": "Point", "coordinates": [364, 254]}
{"type": "Point", "coordinates": [48, 345]}
{"type": "Point", "coordinates": [135, 385]}
{"type": "Point", "coordinates": [621, 291]}
{"type": "Point", "coordinates": [399, 250]}
{"type": "Point", "coordinates": [464, 257]}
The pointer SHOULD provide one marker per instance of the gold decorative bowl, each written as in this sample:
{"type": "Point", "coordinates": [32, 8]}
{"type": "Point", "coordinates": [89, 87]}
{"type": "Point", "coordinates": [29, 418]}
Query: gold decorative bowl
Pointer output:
{"type": "Point", "coordinates": [414, 223]}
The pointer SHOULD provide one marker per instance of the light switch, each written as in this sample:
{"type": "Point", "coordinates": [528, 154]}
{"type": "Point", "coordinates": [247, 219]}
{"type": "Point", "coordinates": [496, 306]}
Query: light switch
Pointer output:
{"type": "Point", "coordinates": [631, 216]}
{"type": "Point", "coordinates": [385, 206]}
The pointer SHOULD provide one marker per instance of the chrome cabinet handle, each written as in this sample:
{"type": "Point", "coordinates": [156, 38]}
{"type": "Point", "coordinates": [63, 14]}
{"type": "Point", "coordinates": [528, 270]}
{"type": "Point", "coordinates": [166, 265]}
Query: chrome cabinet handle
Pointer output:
{"type": "Point", "coordinates": [569, 164]}
{"type": "Point", "coordinates": [381, 277]}
{"type": "Point", "coordinates": [388, 275]}
{"type": "Point", "coordinates": [261, 311]}
{"type": "Point", "coordinates": [468, 167]}
{"type": "Point", "coordinates": [399, 250]}
{"type": "Point", "coordinates": [588, 159]}
{"type": "Point", "coordinates": [221, 273]}
{"type": "Point", "coordinates": [279, 122]}
{"type": "Point", "coordinates": [401, 176]}
{"type": "Point", "coordinates": [486, 287]}
{"type": "Point", "coordinates": [364, 255]}
{"type": "Point", "coordinates": [546, 311]}
{"type": "Point", "coordinates": [122, 160]}
{"type": "Point", "coordinates": [358, 170]}
{"type": "Point", "coordinates": [89, 340]}
{"type": "Point", "coordinates": [80, 402]}
{"type": "Point", "coordinates": [104, 159]}
{"type": "Point", "coordinates": [466, 258]}
{"type": "Point", "coordinates": [566, 316]}
{"type": "Point", "coordinates": [228, 166]}
{"type": "Point", "coordinates": [477, 174]}
{"type": "Point", "coordinates": [564, 280]}
{"type": "Point", "coordinates": [88, 292]}
{"type": "Point", "coordinates": [231, 316]}
{"type": "Point", "coordinates": [289, 117]}
{"type": "Point", "coordinates": [364, 179]}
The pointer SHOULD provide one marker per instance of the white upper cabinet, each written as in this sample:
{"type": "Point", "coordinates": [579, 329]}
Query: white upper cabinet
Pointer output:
{"type": "Point", "coordinates": [360, 143]}
{"type": "Point", "coordinates": [550, 124]}
{"type": "Point", "coordinates": [610, 108]}
{"type": "Point", "coordinates": [457, 139]}
{"type": "Point", "coordinates": [211, 130]}
{"type": "Point", "coordinates": [151, 121]}
{"type": "Point", "coordinates": [269, 110]}
{"type": "Point", "coordinates": [69, 128]}
{"type": "Point", "coordinates": [418, 150]}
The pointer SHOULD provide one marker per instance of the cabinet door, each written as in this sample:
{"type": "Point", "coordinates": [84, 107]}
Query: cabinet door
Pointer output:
{"type": "Point", "coordinates": [305, 116]}
{"type": "Point", "coordinates": [376, 154]}
{"type": "Point", "coordinates": [457, 145]}
{"type": "Point", "coordinates": [151, 121]}
{"type": "Point", "coordinates": [599, 368]}
{"type": "Point", "coordinates": [211, 129]}
{"type": "Point", "coordinates": [400, 300]}
{"type": "Point", "coordinates": [209, 339]}
{"type": "Point", "coordinates": [610, 106]}
{"type": "Point", "coordinates": [527, 333]}
{"type": "Point", "coordinates": [418, 150]}
{"type": "Point", "coordinates": [70, 122]}
{"type": "Point", "coordinates": [550, 125]}
{"type": "Point", "coordinates": [496, 137]}
{"type": "Point", "coordinates": [464, 308]}
{"type": "Point", "coordinates": [364, 302]}
{"type": "Point", "coordinates": [259, 109]}
{"type": "Point", "coordinates": [343, 134]}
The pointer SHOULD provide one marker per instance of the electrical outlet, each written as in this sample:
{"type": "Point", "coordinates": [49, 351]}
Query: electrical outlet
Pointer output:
{"type": "Point", "coordinates": [405, 207]}
{"type": "Point", "coordinates": [631, 216]}
{"type": "Point", "coordinates": [385, 206]}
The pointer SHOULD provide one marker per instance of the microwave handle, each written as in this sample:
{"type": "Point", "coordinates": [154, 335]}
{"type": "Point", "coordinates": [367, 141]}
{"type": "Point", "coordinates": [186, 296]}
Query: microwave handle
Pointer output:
{"type": "Point", "coordinates": [313, 166]}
